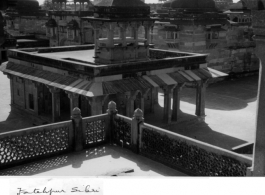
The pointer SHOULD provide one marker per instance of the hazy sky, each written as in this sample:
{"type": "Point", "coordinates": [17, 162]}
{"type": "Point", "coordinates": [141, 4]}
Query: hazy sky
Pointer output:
{"type": "Point", "coordinates": [147, 1]}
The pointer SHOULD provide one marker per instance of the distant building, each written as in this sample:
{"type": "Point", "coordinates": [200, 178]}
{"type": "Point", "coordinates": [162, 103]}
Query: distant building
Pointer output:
{"type": "Point", "coordinates": [24, 22]}
{"type": "Point", "coordinates": [65, 27]}
{"type": "Point", "coordinates": [223, 4]}
{"type": "Point", "coordinates": [198, 26]}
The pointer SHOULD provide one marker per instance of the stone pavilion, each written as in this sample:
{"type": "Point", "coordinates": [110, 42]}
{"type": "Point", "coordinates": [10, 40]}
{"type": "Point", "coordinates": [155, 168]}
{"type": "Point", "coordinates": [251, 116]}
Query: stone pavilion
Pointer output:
{"type": "Point", "coordinates": [121, 66]}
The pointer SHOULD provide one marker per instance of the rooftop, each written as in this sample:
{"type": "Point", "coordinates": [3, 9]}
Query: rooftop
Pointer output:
{"type": "Point", "coordinates": [80, 59]}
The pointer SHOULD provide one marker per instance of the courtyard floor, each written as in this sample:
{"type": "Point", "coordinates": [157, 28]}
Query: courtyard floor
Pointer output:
{"type": "Point", "coordinates": [230, 110]}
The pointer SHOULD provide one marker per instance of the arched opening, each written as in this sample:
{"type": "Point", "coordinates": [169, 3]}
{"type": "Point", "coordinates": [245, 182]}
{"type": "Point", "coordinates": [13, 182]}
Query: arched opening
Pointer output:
{"type": "Point", "coordinates": [130, 35]}
{"type": "Point", "coordinates": [141, 35]}
{"type": "Point", "coordinates": [235, 19]}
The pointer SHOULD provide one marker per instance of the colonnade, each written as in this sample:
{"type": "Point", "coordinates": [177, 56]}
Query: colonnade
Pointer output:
{"type": "Point", "coordinates": [131, 100]}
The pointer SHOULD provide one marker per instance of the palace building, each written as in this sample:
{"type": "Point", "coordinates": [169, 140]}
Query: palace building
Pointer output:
{"type": "Point", "coordinates": [49, 82]}
{"type": "Point", "coordinates": [65, 27]}
{"type": "Point", "coordinates": [198, 26]}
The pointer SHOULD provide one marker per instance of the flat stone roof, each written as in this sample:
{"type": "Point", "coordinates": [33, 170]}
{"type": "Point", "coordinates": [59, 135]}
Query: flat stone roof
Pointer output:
{"type": "Point", "coordinates": [73, 56]}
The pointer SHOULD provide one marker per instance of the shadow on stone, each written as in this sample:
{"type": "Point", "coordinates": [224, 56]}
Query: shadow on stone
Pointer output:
{"type": "Point", "coordinates": [226, 95]}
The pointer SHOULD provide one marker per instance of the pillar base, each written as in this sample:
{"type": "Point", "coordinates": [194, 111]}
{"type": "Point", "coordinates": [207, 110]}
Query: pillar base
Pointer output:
{"type": "Point", "coordinates": [249, 172]}
{"type": "Point", "coordinates": [201, 118]}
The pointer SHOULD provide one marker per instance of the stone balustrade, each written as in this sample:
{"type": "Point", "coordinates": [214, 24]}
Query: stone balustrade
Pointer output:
{"type": "Point", "coordinates": [174, 150]}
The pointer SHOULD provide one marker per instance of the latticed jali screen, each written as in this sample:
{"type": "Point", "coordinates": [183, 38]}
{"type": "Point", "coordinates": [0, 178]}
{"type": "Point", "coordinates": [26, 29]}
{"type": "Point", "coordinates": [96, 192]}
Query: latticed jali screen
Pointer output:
{"type": "Point", "coordinates": [26, 146]}
{"type": "Point", "coordinates": [122, 133]}
{"type": "Point", "coordinates": [179, 154]}
{"type": "Point", "coordinates": [95, 132]}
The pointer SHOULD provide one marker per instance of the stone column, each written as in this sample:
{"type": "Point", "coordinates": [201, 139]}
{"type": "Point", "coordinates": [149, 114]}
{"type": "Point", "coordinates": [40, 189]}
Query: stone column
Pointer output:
{"type": "Point", "coordinates": [176, 102]}
{"type": "Point", "coordinates": [130, 103]}
{"type": "Point", "coordinates": [112, 112]}
{"type": "Point", "coordinates": [136, 120]}
{"type": "Point", "coordinates": [11, 88]}
{"type": "Point", "coordinates": [167, 104]}
{"type": "Point", "coordinates": [79, 141]}
{"type": "Point", "coordinates": [55, 103]}
{"type": "Point", "coordinates": [74, 100]}
{"type": "Point", "coordinates": [259, 147]}
{"type": "Point", "coordinates": [147, 35]}
{"type": "Point", "coordinates": [36, 95]}
{"type": "Point", "coordinates": [153, 94]}
{"type": "Point", "coordinates": [111, 35]}
{"type": "Point", "coordinates": [96, 105]}
{"type": "Point", "coordinates": [200, 100]}
{"type": "Point", "coordinates": [123, 33]}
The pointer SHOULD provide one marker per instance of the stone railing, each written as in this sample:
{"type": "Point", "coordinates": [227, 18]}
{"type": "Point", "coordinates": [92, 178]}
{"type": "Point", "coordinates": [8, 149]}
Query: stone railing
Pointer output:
{"type": "Point", "coordinates": [189, 155]}
{"type": "Point", "coordinates": [95, 128]}
{"type": "Point", "coordinates": [183, 153]}
{"type": "Point", "coordinates": [27, 145]}
{"type": "Point", "coordinates": [121, 133]}
{"type": "Point", "coordinates": [179, 152]}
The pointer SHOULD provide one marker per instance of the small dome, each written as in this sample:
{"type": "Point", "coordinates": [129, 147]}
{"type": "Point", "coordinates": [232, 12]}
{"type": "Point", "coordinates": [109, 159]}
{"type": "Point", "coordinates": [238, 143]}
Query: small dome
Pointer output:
{"type": "Point", "coordinates": [73, 25]}
{"type": "Point", "coordinates": [51, 23]}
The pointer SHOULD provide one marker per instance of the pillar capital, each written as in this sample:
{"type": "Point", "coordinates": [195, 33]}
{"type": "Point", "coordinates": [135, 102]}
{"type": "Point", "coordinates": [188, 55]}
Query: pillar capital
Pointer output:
{"type": "Point", "coordinates": [72, 95]}
{"type": "Point", "coordinates": [53, 89]}
{"type": "Point", "coordinates": [9, 76]}
{"type": "Point", "coordinates": [180, 86]}
{"type": "Point", "coordinates": [168, 88]}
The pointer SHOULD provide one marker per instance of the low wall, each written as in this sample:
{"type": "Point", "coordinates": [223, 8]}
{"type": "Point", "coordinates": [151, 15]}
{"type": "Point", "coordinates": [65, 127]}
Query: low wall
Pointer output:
{"type": "Point", "coordinates": [189, 155]}
{"type": "Point", "coordinates": [27, 145]}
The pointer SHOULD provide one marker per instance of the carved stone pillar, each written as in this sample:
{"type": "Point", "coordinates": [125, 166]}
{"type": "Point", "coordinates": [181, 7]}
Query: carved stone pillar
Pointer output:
{"type": "Point", "coordinates": [74, 100]}
{"type": "Point", "coordinates": [153, 99]}
{"type": "Point", "coordinates": [111, 35]}
{"type": "Point", "coordinates": [135, 132]}
{"type": "Point", "coordinates": [55, 103]}
{"type": "Point", "coordinates": [79, 141]}
{"type": "Point", "coordinates": [200, 100]}
{"type": "Point", "coordinates": [131, 96]}
{"type": "Point", "coordinates": [96, 105]}
{"type": "Point", "coordinates": [259, 147]}
{"type": "Point", "coordinates": [167, 103]}
{"type": "Point", "coordinates": [129, 104]}
{"type": "Point", "coordinates": [11, 87]}
{"type": "Point", "coordinates": [176, 102]}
